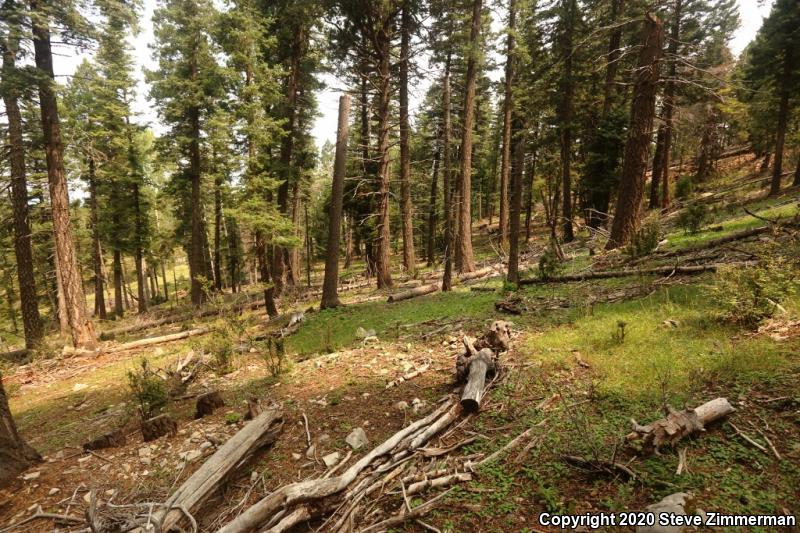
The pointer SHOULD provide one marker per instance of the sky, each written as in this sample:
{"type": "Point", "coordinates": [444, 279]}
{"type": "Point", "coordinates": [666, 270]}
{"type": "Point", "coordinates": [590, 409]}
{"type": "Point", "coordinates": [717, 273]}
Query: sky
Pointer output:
{"type": "Point", "coordinates": [751, 13]}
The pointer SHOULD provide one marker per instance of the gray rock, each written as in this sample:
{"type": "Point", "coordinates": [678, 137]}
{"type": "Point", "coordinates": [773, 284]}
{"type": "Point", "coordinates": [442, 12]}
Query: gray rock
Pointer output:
{"type": "Point", "coordinates": [362, 333]}
{"type": "Point", "coordinates": [193, 455]}
{"type": "Point", "coordinates": [311, 452]}
{"type": "Point", "coordinates": [357, 439]}
{"type": "Point", "coordinates": [676, 504]}
{"type": "Point", "coordinates": [401, 405]}
{"type": "Point", "coordinates": [331, 459]}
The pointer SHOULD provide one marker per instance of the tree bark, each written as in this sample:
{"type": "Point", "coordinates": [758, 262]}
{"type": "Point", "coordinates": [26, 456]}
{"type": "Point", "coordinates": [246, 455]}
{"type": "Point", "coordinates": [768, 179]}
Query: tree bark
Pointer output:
{"type": "Point", "coordinates": [780, 134]}
{"type": "Point", "coordinates": [796, 182]}
{"type": "Point", "coordinates": [383, 51]}
{"type": "Point", "coordinates": [197, 263]}
{"type": "Point", "coordinates": [658, 168]}
{"type": "Point", "coordinates": [330, 297]}
{"type": "Point", "coordinates": [97, 252]}
{"type": "Point", "coordinates": [629, 198]}
{"type": "Point", "coordinates": [218, 233]}
{"type": "Point", "coordinates": [464, 257]}
{"type": "Point", "coordinates": [81, 329]}
{"type": "Point", "coordinates": [119, 310]}
{"type": "Point", "coordinates": [669, 103]}
{"type": "Point", "coordinates": [508, 105]}
{"type": "Point", "coordinates": [293, 253]}
{"type": "Point", "coordinates": [431, 237]}
{"type": "Point", "coordinates": [517, 166]}
{"type": "Point", "coordinates": [15, 454]}
{"type": "Point", "coordinates": [409, 255]}
{"type": "Point", "coordinates": [565, 118]}
{"type": "Point", "coordinates": [31, 320]}
{"type": "Point", "coordinates": [449, 237]}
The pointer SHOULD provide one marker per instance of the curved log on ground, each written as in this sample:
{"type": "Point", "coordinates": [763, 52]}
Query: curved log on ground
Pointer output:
{"type": "Point", "coordinates": [660, 271]}
{"type": "Point", "coordinates": [156, 340]}
{"type": "Point", "coordinates": [413, 293]}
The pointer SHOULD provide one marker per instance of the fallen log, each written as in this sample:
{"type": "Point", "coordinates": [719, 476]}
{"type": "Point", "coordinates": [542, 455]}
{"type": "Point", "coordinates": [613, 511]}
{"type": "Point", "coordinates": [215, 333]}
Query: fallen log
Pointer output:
{"type": "Point", "coordinates": [207, 403]}
{"type": "Point", "coordinates": [479, 361]}
{"type": "Point", "coordinates": [480, 273]}
{"type": "Point", "coordinates": [679, 424]}
{"type": "Point", "coordinates": [14, 356]}
{"type": "Point", "coordinates": [259, 432]}
{"type": "Point", "coordinates": [157, 427]}
{"type": "Point", "coordinates": [661, 271]}
{"type": "Point", "coordinates": [156, 340]}
{"type": "Point", "coordinates": [413, 293]}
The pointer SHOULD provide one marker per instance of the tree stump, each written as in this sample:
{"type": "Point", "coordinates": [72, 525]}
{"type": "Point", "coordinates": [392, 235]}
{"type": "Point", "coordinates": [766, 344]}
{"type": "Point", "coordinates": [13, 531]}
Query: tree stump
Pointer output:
{"type": "Point", "coordinates": [479, 367]}
{"type": "Point", "coordinates": [158, 427]}
{"type": "Point", "coordinates": [679, 424]}
{"type": "Point", "coordinates": [207, 403]}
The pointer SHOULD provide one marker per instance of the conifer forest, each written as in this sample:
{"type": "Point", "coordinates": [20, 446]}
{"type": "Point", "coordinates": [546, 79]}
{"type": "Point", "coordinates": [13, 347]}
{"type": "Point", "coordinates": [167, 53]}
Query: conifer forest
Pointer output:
{"type": "Point", "coordinates": [399, 266]}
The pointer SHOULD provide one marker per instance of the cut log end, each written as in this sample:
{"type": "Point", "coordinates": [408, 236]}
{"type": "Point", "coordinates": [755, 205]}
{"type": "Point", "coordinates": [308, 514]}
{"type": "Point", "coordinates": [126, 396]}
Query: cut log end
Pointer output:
{"type": "Point", "coordinates": [207, 403]}
{"type": "Point", "coordinates": [158, 427]}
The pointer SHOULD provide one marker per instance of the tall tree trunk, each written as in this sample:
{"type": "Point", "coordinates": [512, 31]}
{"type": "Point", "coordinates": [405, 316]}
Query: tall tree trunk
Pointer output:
{"type": "Point", "coordinates": [517, 166]}
{"type": "Point", "coordinates": [449, 216]}
{"type": "Point", "coordinates": [138, 257]}
{"type": "Point", "coordinates": [164, 281]}
{"type": "Point", "coordinates": [262, 258]}
{"type": "Point", "coordinates": [97, 252]}
{"type": "Point", "coordinates": [197, 263]}
{"type": "Point", "coordinates": [669, 102]}
{"type": "Point", "coordinates": [233, 255]}
{"type": "Point", "coordinates": [409, 256]}
{"type": "Point", "coordinates": [218, 233]}
{"type": "Point", "coordinates": [508, 105]}
{"type": "Point", "coordinates": [31, 320]}
{"type": "Point", "coordinates": [629, 198]}
{"type": "Point", "coordinates": [796, 182]}
{"type": "Point", "coordinates": [567, 91]}
{"type": "Point", "coordinates": [348, 246]}
{"type": "Point", "coordinates": [465, 258]}
{"type": "Point", "coordinates": [383, 50]}
{"type": "Point", "coordinates": [330, 297]}
{"type": "Point", "coordinates": [430, 252]}
{"type": "Point", "coordinates": [658, 168]}
{"type": "Point", "coordinates": [63, 318]}
{"type": "Point", "coordinates": [81, 328]}
{"type": "Point", "coordinates": [119, 310]}
{"type": "Point", "coordinates": [531, 178]}
{"type": "Point", "coordinates": [293, 253]}
{"type": "Point", "coordinates": [780, 134]}
{"type": "Point", "coordinates": [278, 269]}
{"type": "Point", "coordinates": [15, 454]}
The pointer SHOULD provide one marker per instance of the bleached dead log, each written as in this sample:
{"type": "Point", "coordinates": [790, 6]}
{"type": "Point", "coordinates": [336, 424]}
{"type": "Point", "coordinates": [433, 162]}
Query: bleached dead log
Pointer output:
{"type": "Point", "coordinates": [141, 343]}
{"type": "Point", "coordinates": [311, 490]}
{"type": "Point", "coordinates": [439, 482]}
{"type": "Point", "coordinates": [413, 293]}
{"type": "Point", "coordinates": [259, 432]}
{"type": "Point", "coordinates": [480, 365]}
{"type": "Point", "coordinates": [480, 273]}
{"type": "Point", "coordinates": [679, 424]}
{"type": "Point", "coordinates": [411, 375]}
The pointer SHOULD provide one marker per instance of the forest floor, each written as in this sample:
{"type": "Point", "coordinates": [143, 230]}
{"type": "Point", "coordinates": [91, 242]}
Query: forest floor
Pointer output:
{"type": "Point", "coordinates": [586, 357]}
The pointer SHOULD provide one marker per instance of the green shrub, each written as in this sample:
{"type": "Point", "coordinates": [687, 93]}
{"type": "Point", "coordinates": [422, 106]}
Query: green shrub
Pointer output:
{"type": "Point", "coordinates": [748, 296]}
{"type": "Point", "coordinates": [550, 263]}
{"type": "Point", "coordinates": [274, 354]}
{"type": "Point", "coordinates": [684, 187]}
{"type": "Point", "coordinates": [220, 347]}
{"type": "Point", "coordinates": [645, 239]}
{"type": "Point", "coordinates": [149, 390]}
{"type": "Point", "coordinates": [693, 218]}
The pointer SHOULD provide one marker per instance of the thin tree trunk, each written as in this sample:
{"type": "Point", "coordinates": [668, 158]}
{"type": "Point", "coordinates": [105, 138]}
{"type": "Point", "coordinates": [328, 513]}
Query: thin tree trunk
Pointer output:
{"type": "Point", "coordinates": [409, 255]}
{"type": "Point", "coordinates": [348, 247]}
{"type": "Point", "coordinates": [449, 237]}
{"type": "Point", "coordinates": [262, 258]}
{"type": "Point", "coordinates": [508, 105]}
{"type": "Point", "coordinates": [465, 258]}
{"type": "Point", "coordinates": [780, 134]}
{"type": "Point", "coordinates": [164, 281]}
{"type": "Point", "coordinates": [218, 233]}
{"type": "Point", "coordinates": [567, 91]}
{"type": "Point", "coordinates": [629, 198]}
{"type": "Point", "coordinates": [293, 253]}
{"type": "Point", "coordinates": [97, 253]}
{"type": "Point", "coordinates": [197, 263]}
{"type": "Point", "coordinates": [658, 168]}
{"type": "Point", "coordinates": [796, 182]}
{"type": "Point", "coordinates": [15, 454]}
{"type": "Point", "coordinates": [119, 310]}
{"type": "Point", "coordinates": [431, 238]}
{"type": "Point", "coordinates": [31, 320]}
{"type": "Point", "coordinates": [330, 297]}
{"type": "Point", "coordinates": [233, 255]}
{"type": "Point", "coordinates": [669, 103]}
{"type": "Point", "coordinates": [383, 50]}
{"type": "Point", "coordinates": [81, 328]}
{"type": "Point", "coordinates": [517, 166]}
{"type": "Point", "coordinates": [529, 207]}
{"type": "Point", "coordinates": [63, 319]}
{"type": "Point", "coordinates": [141, 282]}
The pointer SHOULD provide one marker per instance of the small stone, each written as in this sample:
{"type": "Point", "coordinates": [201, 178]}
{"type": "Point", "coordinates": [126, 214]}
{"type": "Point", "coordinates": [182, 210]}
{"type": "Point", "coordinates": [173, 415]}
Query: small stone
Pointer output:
{"type": "Point", "coordinates": [674, 504]}
{"type": "Point", "coordinates": [331, 459]}
{"type": "Point", "coordinates": [83, 460]}
{"type": "Point", "coordinates": [357, 439]}
{"type": "Point", "coordinates": [196, 437]}
{"type": "Point", "coordinates": [145, 452]}
{"type": "Point", "coordinates": [253, 476]}
{"type": "Point", "coordinates": [323, 438]}
{"type": "Point", "coordinates": [31, 476]}
{"type": "Point", "coordinates": [311, 452]}
{"type": "Point", "coordinates": [110, 492]}
{"type": "Point", "coordinates": [206, 445]}
{"type": "Point", "coordinates": [401, 405]}
{"type": "Point", "coordinates": [79, 387]}
{"type": "Point", "coordinates": [193, 455]}
{"type": "Point", "coordinates": [216, 439]}
{"type": "Point", "coordinates": [54, 491]}
{"type": "Point", "coordinates": [296, 456]}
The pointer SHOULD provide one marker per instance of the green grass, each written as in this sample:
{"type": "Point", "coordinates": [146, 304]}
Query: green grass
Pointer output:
{"type": "Point", "coordinates": [681, 239]}
{"type": "Point", "coordinates": [654, 352]}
